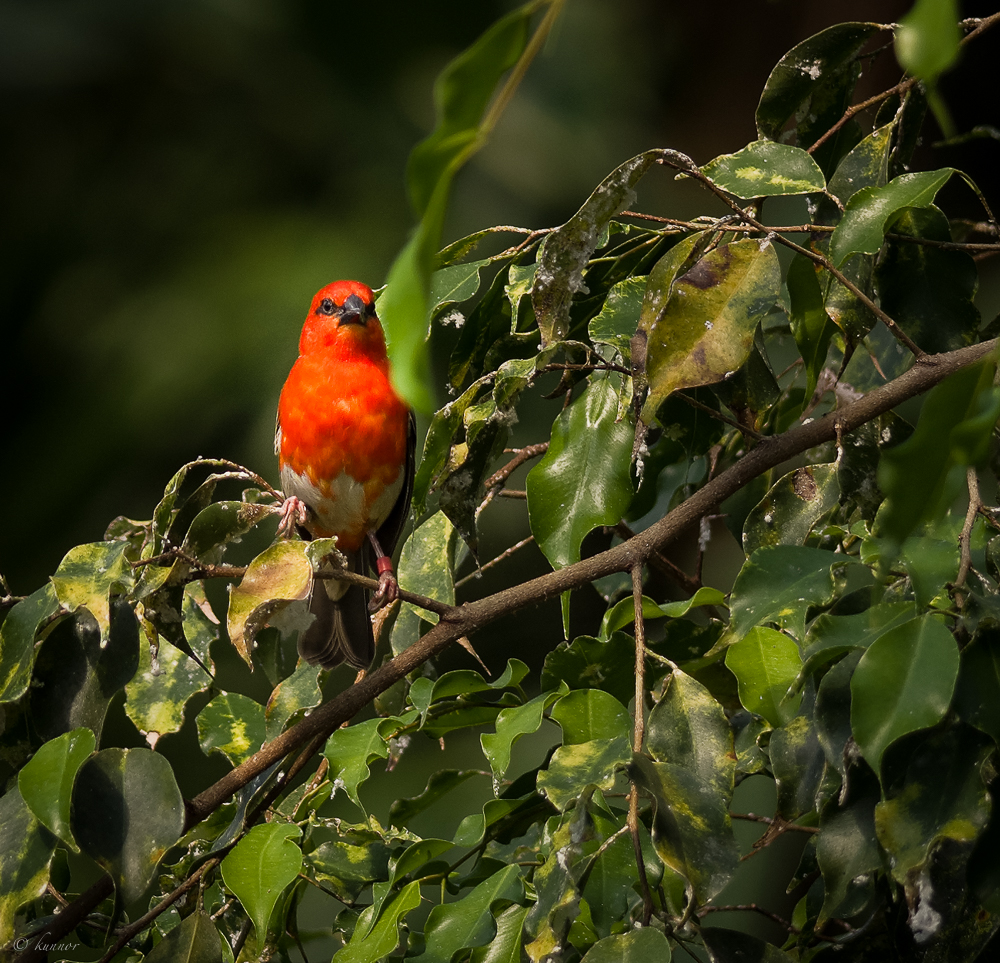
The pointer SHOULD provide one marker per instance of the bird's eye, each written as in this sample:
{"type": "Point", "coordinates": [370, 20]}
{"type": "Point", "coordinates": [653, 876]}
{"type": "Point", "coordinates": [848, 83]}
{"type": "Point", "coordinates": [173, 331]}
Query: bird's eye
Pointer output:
{"type": "Point", "coordinates": [326, 306]}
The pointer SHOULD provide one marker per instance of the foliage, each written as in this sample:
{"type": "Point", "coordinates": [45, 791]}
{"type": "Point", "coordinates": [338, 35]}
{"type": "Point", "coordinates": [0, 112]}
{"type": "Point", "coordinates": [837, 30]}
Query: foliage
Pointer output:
{"type": "Point", "coordinates": [853, 666]}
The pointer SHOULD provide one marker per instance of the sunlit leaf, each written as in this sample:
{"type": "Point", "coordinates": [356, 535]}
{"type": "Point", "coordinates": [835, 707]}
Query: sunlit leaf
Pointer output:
{"type": "Point", "coordinates": [26, 849]}
{"type": "Point", "coordinates": [86, 577]}
{"type": "Point", "coordinates": [766, 169]}
{"type": "Point", "coordinates": [232, 724]}
{"type": "Point", "coordinates": [706, 328]}
{"type": "Point", "coordinates": [765, 664]}
{"type": "Point", "coordinates": [262, 864]}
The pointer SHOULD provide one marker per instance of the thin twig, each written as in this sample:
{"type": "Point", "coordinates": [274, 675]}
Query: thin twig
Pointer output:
{"type": "Point", "coordinates": [506, 553]}
{"type": "Point", "coordinates": [719, 416]}
{"type": "Point", "coordinates": [522, 455]}
{"type": "Point", "coordinates": [638, 732]}
{"type": "Point", "coordinates": [785, 826]}
{"type": "Point", "coordinates": [662, 563]}
{"type": "Point", "coordinates": [750, 907]}
{"type": "Point", "coordinates": [965, 538]}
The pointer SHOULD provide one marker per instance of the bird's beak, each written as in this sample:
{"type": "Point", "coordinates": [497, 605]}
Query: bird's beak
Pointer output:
{"type": "Point", "coordinates": [353, 311]}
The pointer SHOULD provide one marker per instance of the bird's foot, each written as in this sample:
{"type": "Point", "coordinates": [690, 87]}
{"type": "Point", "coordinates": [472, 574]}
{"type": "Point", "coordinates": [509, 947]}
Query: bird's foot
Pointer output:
{"type": "Point", "coordinates": [293, 512]}
{"type": "Point", "coordinates": [388, 588]}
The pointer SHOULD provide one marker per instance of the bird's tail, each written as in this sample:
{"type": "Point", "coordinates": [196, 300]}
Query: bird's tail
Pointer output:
{"type": "Point", "coordinates": [341, 630]}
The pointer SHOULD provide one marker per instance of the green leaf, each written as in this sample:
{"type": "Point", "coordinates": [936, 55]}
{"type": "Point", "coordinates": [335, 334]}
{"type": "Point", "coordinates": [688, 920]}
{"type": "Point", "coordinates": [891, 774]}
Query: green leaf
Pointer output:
{"type": "Point", "coordinates": [126, 813]}
{"type": "Point", "coordinates": [232, 724]}
{"type": "Point", "coordinates": [872, 210]}
{"type": "Point", "coordinates": [261, 865]}
{"type": "Point", "coordinates": [26, 849]}
{"type": "Point", "coordinates": [425, 568]}
{"type": "Point", "coordinates": [977, 693]}
{"type": "Point", "coordinates": [588, 714]}
{"type": "Point", "coordinates": [646, 945]}
{"type": "Point", "coordinates": [956, 422]}
{"type": "Point", "coordinates": [583, 480]}
{"type": "Point", "coordinates": [495, 814]}
{"type": "Point", "coordinates": [576, 767]}
{"type": "Point", "coordinates": [588, 663]}
{"type": "Point", "coordinates": [157, 694]}
{"type": "Point", "coordinates": [454, 284]}
{"type": "Point", "coordinates": [567, 250]}
{"type": "Point", "coordinates": [462, 94]}
{"type": "Point", "coordinates": [779, 584]}
{"type": "Point", "coordinates": [928, 291]}
{"type": "Point", "coordinates": [17, 640]}
{"type": "Point", "coordinates": [706, 328]}
{"type": "Point", "coordinates": [86, 577]}
{"type": "Point", "coordinates": [349, 751]}
{"type": "Point", "coordinates": [732, 946]}
{"type": "Point", "coordinates": [512, 723]}
{"type": "Point", "coordinates": [847, 850]}
{"type": "Point", "coordinates": [75, 677]}
{"type": "Point", "coordinates": [347, 868]}
{"type": "Point", "coordinates": [375, 938]}
{"type": "Point", "coordinates": [194, 940]}
{"type": "Point", "coordinates": [691, 784]}
{"type": "Point", "coordinates": [616, 322]}
{"type": "Point", "coordinates": [811, 325]}
{"type": "Point", "coordinates": [904, 682]}
{"type": "Point", "coordinates": [46, 782]}
{"type": "Point", "coordinates": [505, 947]}
{"type": "Point", "coordinates": [765, 664]}
{"type": "Point", "coordinates": [866, 165]}
{"type": "Point", "coordinates": [402, 811]}
{"type": "Point", "coordinates": [220, 523]}
{"type": "Point", "coordinates": [470, 921]}
{"type": "Point", "coordinates": [766, 169]}
{"type": "Point", "coordinates": [803, 78]}
{"type": "Point", "coordinates": [795, 503]}
{"type": "Point", "coordinates": [797, 763]}
{"type": "Point", "coordinates": [942, 796]}
{"type": "Point", "coordinates": [928, 39]}
{"type": "Point", "coordinates": [291, 699]}
{"type": "Point", "coordinates": [623, 613]}
{"type": "Point", "coordinates": [279, 575]}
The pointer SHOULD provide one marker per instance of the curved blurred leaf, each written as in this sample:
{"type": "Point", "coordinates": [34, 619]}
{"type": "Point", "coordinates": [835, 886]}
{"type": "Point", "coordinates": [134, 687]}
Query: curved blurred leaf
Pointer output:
{"type": "Point", "coordinates": [811, 325]}
{"type": "Point", "coordinates": [292, 698]}
{"type": "Point", "coordinates": [279, 575]}
{"type": "Point", "coordinates": [904, 682]}
{"type": "Point", "coordinates": [706, 328]}
{"type": "Point", "coordinates": [870, 212]}
{"type": "Point", "coordinates": [46, 782]}
{"type": "Point", "coordinates": [261, 865]}
{"type": "Point", "coordinates": [732, 946]}
{"type": "Point", "coordinates": [616, 322]}
{"type": "Point", "coordinates": [955, 426]}
{"type": "Point", "coordinates": [439, 784]}
{"type": "Point", "coordinates": [505, 947]}
{"type": "Point", "coordinates": [567, 250]}
{"type": "Point", "coordinates": [765, 664]}
{"type": "Point", "coordinates": [766, 169]}
{"type": "Point", "coordinates": [127, 812]}
{"type": "Point", "coordinates": [462, 94]}
{"type": "Point", "coordinates": [587, 663]}
{"type": "Point", "coordinates": [977, 693]}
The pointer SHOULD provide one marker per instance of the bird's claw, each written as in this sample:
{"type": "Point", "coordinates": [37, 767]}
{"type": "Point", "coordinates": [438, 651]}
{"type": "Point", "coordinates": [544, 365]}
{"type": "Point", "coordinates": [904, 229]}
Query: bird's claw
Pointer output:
{"type": "Point", "coordinates": [293, 512]}
{"type": "Point", "coordinates": [386, 593]}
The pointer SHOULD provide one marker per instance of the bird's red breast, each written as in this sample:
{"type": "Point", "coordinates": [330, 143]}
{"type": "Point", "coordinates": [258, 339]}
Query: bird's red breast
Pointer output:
{"type": "Point", "coordinates": [342, 429]}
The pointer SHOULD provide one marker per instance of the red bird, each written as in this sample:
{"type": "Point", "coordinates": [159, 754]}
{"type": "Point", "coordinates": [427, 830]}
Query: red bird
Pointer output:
{"type": "Point", "coordinates": [345, 444]}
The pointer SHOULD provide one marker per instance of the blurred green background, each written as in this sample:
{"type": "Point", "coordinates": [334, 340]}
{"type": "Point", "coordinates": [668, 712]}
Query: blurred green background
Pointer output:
{"type": "Point", "coordinates": [179, 177]}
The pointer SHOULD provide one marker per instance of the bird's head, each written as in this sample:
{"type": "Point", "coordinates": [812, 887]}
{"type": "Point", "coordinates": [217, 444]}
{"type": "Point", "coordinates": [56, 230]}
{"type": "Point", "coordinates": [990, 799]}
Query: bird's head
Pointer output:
{"type": "Point", "coordinates": [342, 319]}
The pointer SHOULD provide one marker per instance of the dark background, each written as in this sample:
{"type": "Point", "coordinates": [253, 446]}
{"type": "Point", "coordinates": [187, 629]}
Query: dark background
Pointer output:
{"type": "Point", "coordinates": [178, 178]}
